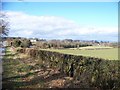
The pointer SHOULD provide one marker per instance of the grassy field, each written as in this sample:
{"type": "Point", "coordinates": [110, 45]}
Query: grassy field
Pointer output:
{"type": "Point", "coordinates": [99, 52]}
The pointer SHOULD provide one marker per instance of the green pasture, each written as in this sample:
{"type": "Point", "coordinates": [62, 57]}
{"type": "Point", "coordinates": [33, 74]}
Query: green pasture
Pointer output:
{"type": "Point", "coordinates": [106, 53]}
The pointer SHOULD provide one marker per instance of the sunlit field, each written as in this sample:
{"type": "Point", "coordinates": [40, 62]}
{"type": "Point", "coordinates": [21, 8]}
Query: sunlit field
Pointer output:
{"type": "Point", "coordinates": [104, 52]}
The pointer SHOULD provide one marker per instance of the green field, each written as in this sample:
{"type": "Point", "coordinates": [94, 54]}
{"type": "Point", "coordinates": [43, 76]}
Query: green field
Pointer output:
{"type": "Point", "coordinates": [110, 53]}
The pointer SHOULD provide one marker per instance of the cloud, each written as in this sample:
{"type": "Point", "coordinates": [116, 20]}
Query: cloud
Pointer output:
{"type": "Point", "coordinates": [50, 27]}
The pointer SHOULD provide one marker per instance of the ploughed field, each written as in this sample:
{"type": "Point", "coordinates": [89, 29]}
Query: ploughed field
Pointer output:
{"type": "Point", "coordinates": [92, 51]}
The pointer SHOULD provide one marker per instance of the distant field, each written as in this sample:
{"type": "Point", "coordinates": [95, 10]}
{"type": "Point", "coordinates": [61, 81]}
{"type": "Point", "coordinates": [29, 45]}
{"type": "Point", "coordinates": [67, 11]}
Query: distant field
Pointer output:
{"type": "Point", "coordinates": [99, 52]}
{"type": "Point", "coordinates": [93, 47]}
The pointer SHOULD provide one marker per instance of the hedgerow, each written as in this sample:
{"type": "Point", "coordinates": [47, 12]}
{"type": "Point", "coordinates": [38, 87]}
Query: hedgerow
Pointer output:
{"type": "Point", "coordinates": [94, 72]}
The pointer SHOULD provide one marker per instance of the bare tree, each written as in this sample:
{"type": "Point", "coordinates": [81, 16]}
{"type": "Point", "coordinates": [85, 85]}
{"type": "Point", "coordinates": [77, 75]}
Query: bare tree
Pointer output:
{"type": "Point", "coordinates": [4, 25]}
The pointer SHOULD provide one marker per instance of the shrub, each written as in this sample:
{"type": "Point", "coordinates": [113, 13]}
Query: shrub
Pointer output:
{"type": "Point", "coordinates": [17, 43]}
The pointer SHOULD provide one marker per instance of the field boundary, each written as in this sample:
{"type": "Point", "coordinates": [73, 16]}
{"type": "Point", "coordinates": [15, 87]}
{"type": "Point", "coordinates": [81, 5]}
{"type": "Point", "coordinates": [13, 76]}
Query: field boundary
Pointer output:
{"type": "Point", "coordinates": [88, 70]}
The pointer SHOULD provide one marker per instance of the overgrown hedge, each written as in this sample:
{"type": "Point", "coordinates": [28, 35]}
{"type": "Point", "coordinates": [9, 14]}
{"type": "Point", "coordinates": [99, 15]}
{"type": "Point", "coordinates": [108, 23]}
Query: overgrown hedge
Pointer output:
{"type": "Point", "coordinates": [91, 72]}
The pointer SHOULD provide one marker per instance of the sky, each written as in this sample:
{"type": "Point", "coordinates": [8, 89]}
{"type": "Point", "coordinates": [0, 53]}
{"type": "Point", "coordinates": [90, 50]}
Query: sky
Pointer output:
{"type": "Point", "coordinates": [61, 20]}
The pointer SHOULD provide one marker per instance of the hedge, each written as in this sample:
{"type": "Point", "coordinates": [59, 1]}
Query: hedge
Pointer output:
{"type": "Point", "coordinates": [92, 72]}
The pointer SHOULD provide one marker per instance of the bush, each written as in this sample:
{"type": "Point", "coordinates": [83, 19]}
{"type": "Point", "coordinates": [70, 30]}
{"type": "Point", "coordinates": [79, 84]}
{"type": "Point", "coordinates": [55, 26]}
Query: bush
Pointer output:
{"type": "Point", "coordinates": [22, 43]}
{"type": "Point", "coordinates": [17, 43]}
{"type": "Point", "coordinates": [26, 43]}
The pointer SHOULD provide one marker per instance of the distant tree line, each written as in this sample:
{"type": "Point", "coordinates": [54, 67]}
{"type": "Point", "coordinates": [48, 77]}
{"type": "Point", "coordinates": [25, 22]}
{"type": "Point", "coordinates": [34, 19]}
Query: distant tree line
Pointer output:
{"type": "Point", "coordinates": [55, 44]}
{"type": "Point", "coordinates": [26, 43]}
{"type": "Point", "coordinates": [60, 45]}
